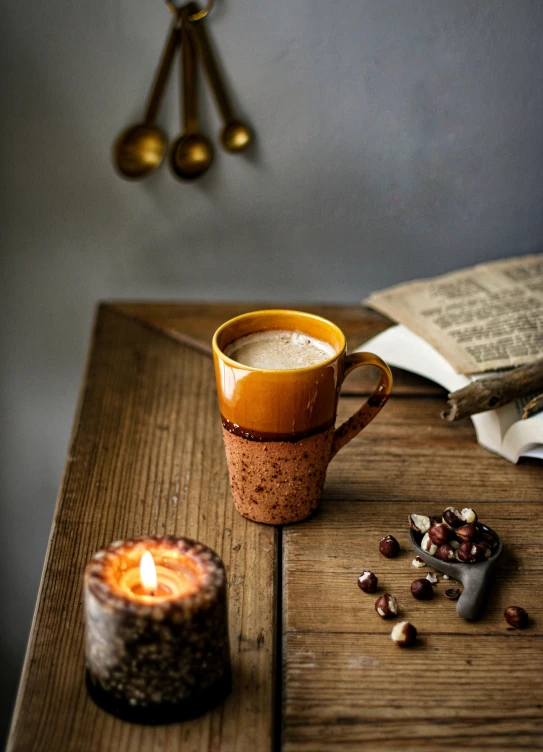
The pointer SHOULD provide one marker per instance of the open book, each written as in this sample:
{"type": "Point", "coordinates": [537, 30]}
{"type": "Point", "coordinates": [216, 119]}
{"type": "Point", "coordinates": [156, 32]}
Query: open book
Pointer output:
{"type": "Point", "coordinates": [501, 431]}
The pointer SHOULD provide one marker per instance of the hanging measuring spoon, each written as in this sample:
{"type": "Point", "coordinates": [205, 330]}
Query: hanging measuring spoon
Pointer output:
{"type": "Point", "coordinates": [192, 153]}
{"type": "Point", "coordinates": [235, 135]}
{"type": "Point", "coordinates": [140, 148]}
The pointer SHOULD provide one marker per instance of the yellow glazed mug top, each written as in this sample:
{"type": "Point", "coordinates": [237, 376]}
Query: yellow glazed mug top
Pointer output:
{"type": "Point", "coordinates": [260, 321]}
{"type": "Point", "coordinates": [266, 404]}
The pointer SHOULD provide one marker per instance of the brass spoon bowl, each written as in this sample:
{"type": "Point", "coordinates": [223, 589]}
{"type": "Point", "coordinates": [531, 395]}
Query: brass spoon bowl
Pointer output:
{"type": "Point", "coordinates": [474, 577]}
{"type": "Point", "coordinates": [192, 153]}
{"type": "Point", "coordinates": [236, 136]}
{"type": "Point", "coordinates": [141, 148]}
{"type": "Point", "coordinates": [191, 156]}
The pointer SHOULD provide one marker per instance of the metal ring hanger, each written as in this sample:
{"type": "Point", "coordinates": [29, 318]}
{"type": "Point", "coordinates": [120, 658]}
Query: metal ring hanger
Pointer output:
{"type": "Point", "coordinates": [176, 9]}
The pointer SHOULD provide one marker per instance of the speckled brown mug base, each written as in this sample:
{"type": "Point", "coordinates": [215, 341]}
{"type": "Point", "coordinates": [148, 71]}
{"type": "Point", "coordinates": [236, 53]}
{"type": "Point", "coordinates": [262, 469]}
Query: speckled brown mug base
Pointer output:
{"type": "Point", "coordinates": [277, 482]}
{"type": "Point", "coordinates": [159, 713]}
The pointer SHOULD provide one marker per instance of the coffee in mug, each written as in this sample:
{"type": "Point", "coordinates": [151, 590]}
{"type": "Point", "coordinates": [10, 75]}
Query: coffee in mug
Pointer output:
{"type": "Point", "coordinates": [279, 374]}
{"type": "Point", "coordinates": [279, 350]}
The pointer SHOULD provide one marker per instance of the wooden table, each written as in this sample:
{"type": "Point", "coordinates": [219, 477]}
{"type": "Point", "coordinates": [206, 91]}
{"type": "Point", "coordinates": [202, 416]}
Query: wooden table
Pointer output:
{"type": "Point", "coordinates": [314, 666]}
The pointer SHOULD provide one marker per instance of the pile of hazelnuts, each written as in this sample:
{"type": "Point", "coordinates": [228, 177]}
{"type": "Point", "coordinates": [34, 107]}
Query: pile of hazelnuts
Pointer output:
{"type": "Point", "coordinates": [457, 536]}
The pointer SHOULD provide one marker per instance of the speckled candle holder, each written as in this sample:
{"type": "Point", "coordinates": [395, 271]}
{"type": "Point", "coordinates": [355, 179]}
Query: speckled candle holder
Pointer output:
{"type": "Point", "coordinates": [156, 659]}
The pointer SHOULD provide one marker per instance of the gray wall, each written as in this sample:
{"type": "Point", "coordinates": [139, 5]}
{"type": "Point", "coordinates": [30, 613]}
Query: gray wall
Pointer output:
{"type": "Point", "coordinates": [396, 138]}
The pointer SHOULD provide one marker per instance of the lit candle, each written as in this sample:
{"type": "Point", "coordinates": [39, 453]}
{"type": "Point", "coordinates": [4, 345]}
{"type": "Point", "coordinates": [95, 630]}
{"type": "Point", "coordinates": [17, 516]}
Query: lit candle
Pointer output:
{"type": "Point", "coordinates": [152, 583]}
{"type": "Point", "coordinates": [156, 637]}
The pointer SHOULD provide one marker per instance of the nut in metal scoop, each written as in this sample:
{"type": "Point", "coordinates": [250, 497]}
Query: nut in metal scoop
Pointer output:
{"type": "Point", "coordinates": [475, 577]}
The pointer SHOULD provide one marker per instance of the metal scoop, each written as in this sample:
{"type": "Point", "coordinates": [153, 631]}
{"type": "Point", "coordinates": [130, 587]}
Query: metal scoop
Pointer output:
{"type": "Point", "coordinates": [474, 577]}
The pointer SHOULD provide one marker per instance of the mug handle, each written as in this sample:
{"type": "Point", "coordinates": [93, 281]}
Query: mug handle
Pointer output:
{"type": "Point", "coordinates": [373, 404]}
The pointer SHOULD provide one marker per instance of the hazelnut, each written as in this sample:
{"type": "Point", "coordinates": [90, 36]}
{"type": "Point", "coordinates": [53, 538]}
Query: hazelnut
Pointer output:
{"type": "Point", "coordinates": [419, 522]}
{"type": "Point", "coordinates": [468, 515]}
{"type": "Point", "coordinates": [418, 562]}
{"type": "Point", "coordinates": [485, 548]}
{"type": "Point", "coordinates": [467, 552]}
{"type": "Point", "coordinates": [432, 578]}
{"type": "Point", "coordinates": [427, 545]}
{"type": "Point", "coordinates": [493, 543]}
{"type": "Point", "coordinates": [445, 552]}
{"type": "Point", "coordinates": [439, 533]}
{"type": "Point", "coordinates": [452, 593]}
{"type": "Point", "coordinates": [422, 590]}
{"type": "Point", "coordinates": [367, 582]}
{"type": "Point", "coordinates": [516, 616]}
{"type": "Point", "coordinates": [467, 533]}
{"type": "Point", "coordinates": [386, 606]}
{"type": "Point", "coordinates": [487, 537]}
{"type": "Point", "coordinates": [389, 546]}
{"type": "Point", "coordinates": [404, 634]}
{"type": "Point", "coordinates": [478, 551]}
{"type": "Point", "coordinates": [453, 517]}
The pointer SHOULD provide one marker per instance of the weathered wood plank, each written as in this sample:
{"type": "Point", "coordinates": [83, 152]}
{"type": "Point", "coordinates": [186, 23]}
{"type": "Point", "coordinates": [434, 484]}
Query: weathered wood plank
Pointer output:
{"type": "Point", "coordinates": [146, 457]}
{"type": "Point", "coordinates": [200, 320]}
{"type": "Point", "coordinates": [350, 692]}
{"type": "Point", "coordinates": [474, 686]}
{"type": "Point", "coordinates": [409, 453]}
{"type": "Point", "coordinates": [195, 324]}
{"type": "Point", "coordinates": [325, 555]}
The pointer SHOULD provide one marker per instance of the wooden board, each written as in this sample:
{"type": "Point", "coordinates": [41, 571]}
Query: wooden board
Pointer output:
{"type": "Point", "coordinates": [356, 692]}
{"type": "Point", "coordinates": [476, 686]}
{"type": "Point", "coordinates": [146, 457]}
{"type": "Point", "coordinates": [195, 324]}
{"type": "Point", "coordinates": [409, 452]}
{"type": "Point", "coordinates": [324, 559]}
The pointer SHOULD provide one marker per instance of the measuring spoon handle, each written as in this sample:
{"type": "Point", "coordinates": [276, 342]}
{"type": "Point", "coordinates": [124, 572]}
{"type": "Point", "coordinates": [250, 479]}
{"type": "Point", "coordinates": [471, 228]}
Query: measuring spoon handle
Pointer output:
{"type": "Point", "coordinates": [475, 580]}
{"type": "Point", "coordinates": [162, 73]}
{"type": "Point", "coordinates": [203, 46]}
{"type": "Point", "coordinates": [189, 93]}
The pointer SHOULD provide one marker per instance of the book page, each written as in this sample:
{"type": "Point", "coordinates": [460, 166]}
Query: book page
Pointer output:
{"type": "Point", "coordinates": [485, 318]}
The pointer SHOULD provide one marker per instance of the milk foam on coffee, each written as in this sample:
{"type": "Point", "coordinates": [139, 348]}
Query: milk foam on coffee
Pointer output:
{"type": "Point", "coordinates": [279, 349]}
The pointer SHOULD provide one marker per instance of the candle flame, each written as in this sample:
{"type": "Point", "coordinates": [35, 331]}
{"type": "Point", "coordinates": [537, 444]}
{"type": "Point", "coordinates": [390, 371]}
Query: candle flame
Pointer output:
{"type": "Point", "coordinates": [148, 573]}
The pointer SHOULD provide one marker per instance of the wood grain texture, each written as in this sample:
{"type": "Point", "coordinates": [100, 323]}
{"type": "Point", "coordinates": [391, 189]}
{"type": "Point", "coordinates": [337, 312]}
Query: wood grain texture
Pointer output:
{"type": "Point", "coordinates": [198, 321]}
{"type": "Point", "coordinates": [358, 692]}
{"type": "Point", "coordinates": [409, 453]}
{"type": "Point", "coordinates": [146, 457]}
{"type": "Point", "coordinates": [195, 323]}
{"type": "Point", "coordinates": [325, 555]}
{"type": "Point", "coordinates": [476, 686]}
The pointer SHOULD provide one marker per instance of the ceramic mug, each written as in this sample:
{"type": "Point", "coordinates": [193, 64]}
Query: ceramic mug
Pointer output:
{"type": "Point", "coordinates": [279, 425]}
